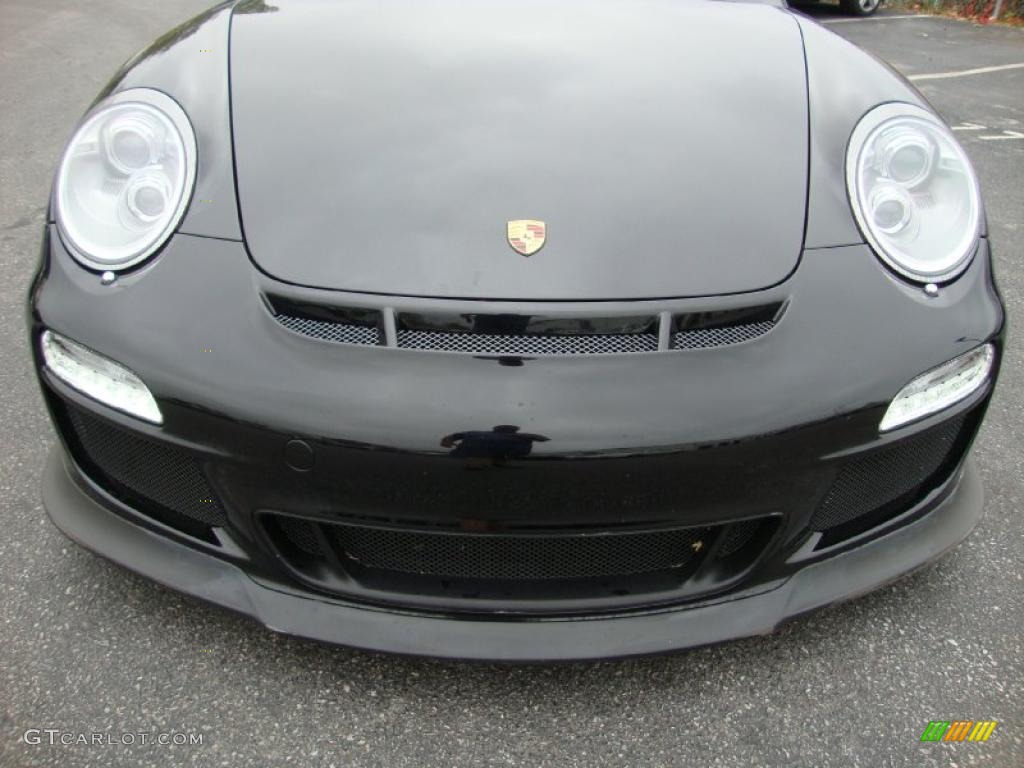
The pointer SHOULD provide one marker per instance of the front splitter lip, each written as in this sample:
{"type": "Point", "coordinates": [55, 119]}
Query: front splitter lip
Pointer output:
{"type": "Point", "coordinates": [217, 581]}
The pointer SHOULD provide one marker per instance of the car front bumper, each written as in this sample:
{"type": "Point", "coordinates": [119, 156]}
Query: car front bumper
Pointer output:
{"type": "Point", "coordinates": [768, 432]}
{"type": "Point", "coordinates": [286, 610]}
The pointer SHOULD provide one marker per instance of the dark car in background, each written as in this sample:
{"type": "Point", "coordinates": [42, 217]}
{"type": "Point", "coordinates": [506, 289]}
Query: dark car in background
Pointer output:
{"type": "Point", "coordinates": [849, 7]}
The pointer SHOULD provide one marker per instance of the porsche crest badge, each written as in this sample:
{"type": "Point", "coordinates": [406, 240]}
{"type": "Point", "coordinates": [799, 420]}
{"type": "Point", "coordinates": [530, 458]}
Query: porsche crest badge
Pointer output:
{"type": "Point", "coordinates": [526, 236]}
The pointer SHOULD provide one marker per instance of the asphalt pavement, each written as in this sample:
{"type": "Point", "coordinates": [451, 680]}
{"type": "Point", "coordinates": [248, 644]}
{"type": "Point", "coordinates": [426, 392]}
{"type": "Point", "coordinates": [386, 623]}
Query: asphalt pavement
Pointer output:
{"type": "Point", "coordinates": [86, 647]}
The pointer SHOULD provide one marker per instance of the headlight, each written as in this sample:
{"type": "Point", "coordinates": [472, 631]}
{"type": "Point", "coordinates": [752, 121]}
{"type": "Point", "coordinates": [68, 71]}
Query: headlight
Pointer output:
{"type": "Point", "coordinates": [99, 377]}
{"type": "Point", "coordinates": [940, 387]}
{"type": "Point", "coordinates": [125, 179]}
{"type": "Point", "coordinates": [913, 192]}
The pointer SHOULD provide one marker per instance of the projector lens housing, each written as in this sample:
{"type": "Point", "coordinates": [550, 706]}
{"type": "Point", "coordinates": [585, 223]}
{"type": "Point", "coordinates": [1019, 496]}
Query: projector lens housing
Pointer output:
{"type": "Point", "coordinates": [125, 180]}
{"type": "Point", "coordinates": [913, 193]}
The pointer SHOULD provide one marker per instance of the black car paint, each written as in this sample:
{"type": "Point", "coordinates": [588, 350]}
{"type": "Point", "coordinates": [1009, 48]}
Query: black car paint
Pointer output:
{"type": "Point", "coordinates": [739, 431]}
{"type": "Point", "coordinates": [843, 82]}
{"type": "Point", "coordinates": [665, 158]}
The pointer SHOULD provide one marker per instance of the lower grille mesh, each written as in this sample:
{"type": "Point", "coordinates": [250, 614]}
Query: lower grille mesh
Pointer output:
{"type": "Point", "coordinates": [738, 536]}
{"type": "Point", "coordinates": [534, 568]}
{"type": "Point", "coordinates": [527, 557]}
{"type": "Point", "coordinates": [871, 483]}
{"type": "Point", "coordinates": [300, 533]}
{"type": "Point", "coordinates": [142, 472]}
{"type": "Point", "coordinates": [507, 557]}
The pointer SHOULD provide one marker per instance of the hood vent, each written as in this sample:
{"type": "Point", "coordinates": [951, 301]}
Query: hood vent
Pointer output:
{"type": "Point", "coordinates": [514, 335]}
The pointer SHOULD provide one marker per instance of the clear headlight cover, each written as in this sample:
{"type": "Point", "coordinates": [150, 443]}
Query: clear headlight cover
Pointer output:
{"type": "Point", "coordinates": [913, 192]}
{"type": "Point", "coordinates": [940, 387]}
{"type": "Point", "coordinates": [99, 377]}
{"type": "Point", "coordinates": [125, 179]}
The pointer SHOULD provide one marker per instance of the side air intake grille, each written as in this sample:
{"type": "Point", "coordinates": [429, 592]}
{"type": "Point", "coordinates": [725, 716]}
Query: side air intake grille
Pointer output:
{"type": "Point", "coordinates": [154, 478]}
{"type": "Point", "coordinates": [875, 486]}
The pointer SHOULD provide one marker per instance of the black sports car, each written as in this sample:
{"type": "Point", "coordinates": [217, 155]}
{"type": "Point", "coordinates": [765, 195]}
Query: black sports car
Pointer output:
{"type": "Point", "coordinates": [514, 330]}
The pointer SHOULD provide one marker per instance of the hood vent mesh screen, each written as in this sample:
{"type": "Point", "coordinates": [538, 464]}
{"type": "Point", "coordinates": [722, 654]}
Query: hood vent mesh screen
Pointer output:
{"type": "Point", "coordinates": [527, 344]}
{"type": "Point", "coordinates": [526, 335]}
{"type": "Point", "coordinates": [343, 333]}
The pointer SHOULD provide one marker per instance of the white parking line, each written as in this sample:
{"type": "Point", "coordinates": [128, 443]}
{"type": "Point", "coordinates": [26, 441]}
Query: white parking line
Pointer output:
{"type": "Point", "coordinates": [880, 18]}
{"type": "Point", "coordinates": [969, 127]}
{"type": "Point", "coordinates": [965, 72]}
{"type": "Point", "coordinates": [1003, 136]}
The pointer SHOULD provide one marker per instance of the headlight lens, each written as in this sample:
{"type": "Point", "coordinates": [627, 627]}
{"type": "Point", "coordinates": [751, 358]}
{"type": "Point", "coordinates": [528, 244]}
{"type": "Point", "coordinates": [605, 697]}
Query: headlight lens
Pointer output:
{"type": "Point", "coordinates": [125, 179]}
{"type": "Point", "coordinates": [940, 387]}
{"type": "Point", "coordinates": [913, 192]}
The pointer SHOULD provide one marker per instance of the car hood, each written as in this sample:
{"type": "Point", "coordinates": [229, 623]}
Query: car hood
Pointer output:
{"type": "Point", "coordinates": [382, 146]}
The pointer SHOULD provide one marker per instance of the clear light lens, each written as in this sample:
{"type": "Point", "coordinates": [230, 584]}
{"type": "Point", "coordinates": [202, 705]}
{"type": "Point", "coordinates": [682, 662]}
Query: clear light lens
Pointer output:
{"type": "Point", "coordinates": [99, 377]}
{"type": "Point", "coordinates": [892, 209]}
{"type": "Point", "coordinates": [940, 388]}
{"type": "Point", "coordinates": [125, 180]}
{"type": "Point", "coordinates": [913, 192]}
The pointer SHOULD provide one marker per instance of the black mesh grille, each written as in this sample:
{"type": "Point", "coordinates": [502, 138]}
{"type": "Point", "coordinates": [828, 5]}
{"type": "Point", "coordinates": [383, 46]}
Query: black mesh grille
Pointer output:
{"type": "Point", "coordinates": [300, 533]}
{"type": "Point", "coordinates": [149, 476]}
{"type": "Point", "coordinates": [530, 335]}
{"type": "Point", "coordinates": [523, 557]}
{"type": "Point", "coordinates": [723, 336]}
{"type": "Point", "coordinates": [528, 344]}
{"type": "Point", "coordinates": [892, 475]}
{"type": "Point", "coordinates": [531, 567]}
{"type": "Point", "coordinates": [738, 536]}
{"type": "Point", "coordinates": [500, 556]}
{"type": "Point", "coordinates": [343, 333]}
